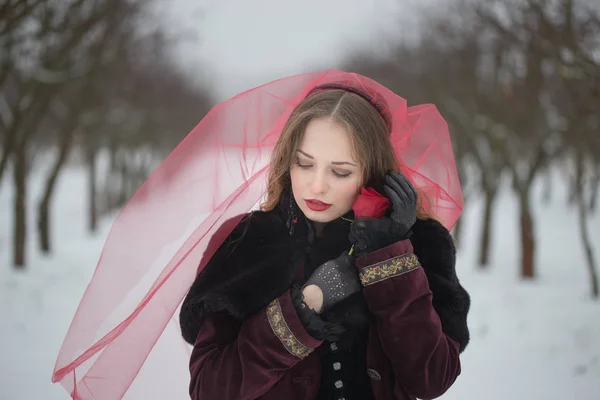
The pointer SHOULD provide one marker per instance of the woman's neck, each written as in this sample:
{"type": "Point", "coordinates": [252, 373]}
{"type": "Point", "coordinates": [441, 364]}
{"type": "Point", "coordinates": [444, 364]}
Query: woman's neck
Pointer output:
{"type": "Point", "coordinates": [319, 228]}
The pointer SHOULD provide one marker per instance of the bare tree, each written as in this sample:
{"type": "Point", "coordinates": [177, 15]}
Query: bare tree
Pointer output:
{"type": "Point", "coordinates": [77, 97]}
{"type": "Point", "coordinates": [571, 41]}
{"type": "Point", "coordinates": [152, 108]}
{"type": "Point", "coordinates": [51, 55]}
{"type": "Point", "coordinates": [443, 68]}
{"type": "Point", "coordinates": [13, 15]}
{"type": "Point", "coordinates": [492, 69]}
{"type": "Point", "coordinates": [529, 142]}
{"type": "Point", "coordinates": [466, 54]}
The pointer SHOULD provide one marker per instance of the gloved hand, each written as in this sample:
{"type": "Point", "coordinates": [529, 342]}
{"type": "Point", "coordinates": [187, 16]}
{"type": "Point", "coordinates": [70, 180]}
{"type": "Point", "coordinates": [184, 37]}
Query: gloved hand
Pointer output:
{"type": "Point", "coordinates": [368, 235]}
{"type": "Point", "coordinates": [337, 279]}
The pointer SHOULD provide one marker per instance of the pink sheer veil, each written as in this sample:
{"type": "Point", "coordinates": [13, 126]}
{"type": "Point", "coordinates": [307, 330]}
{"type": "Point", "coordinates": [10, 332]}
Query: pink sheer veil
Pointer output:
{"type": "Point", "coordinates": [120, 342]}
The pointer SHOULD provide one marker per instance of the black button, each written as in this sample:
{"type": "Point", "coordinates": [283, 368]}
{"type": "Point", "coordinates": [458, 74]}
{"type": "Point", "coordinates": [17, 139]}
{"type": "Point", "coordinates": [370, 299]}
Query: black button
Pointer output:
{"type": "Point", "coordinates": [373, 374]}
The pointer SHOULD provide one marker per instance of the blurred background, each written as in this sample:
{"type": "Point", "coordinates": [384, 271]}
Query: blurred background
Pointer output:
{"type": "Point", "coordinates": [94, 94]}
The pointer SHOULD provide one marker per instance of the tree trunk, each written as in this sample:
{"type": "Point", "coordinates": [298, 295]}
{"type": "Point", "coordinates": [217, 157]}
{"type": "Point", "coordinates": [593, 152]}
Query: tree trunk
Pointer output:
{"type": "Point", "coordinates": [582, 208]}
{"type": "Point", "coordinates": [92, 189]}
{"type": "Point", "coordinates": [6, 153]}
{"type": "Point", "coordinates": [587, 246]}
{"type": "Point", "coordinates": [527, 238]}
{"type": "Point", "coordinates": [19, 239]}
{"type": "Point", "coordinates": [43, 223]}
{"type": "Point", "coordinates": [124, 181]}
{"type": "Point", "coordinates": [44, 205]}
{"type": "Point", "coordinates": [10, 135]}
{"type": "Point", "coordinates": [484, 245]}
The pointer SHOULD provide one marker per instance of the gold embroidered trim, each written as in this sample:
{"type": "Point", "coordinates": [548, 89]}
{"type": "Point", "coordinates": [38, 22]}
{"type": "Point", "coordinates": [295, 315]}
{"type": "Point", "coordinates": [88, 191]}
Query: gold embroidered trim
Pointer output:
{"type": "Point", "coordinates": [284, 333]}
{"type": "Point", "coordinates": [388, 269]}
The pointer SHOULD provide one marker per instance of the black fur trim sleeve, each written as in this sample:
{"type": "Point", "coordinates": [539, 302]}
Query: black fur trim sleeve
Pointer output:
{"type": "Point", "coordinates": [434, 246]}
{"type": "Point", "coordinates": [249, 269]}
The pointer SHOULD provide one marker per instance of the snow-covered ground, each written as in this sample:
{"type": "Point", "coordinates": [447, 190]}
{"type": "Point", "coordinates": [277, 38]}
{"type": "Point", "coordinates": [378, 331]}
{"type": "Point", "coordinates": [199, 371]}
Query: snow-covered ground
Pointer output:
{"type": "Point", "coordinates": [530, 340]}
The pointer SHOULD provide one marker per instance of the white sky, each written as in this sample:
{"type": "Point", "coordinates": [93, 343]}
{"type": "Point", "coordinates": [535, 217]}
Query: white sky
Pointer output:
{"type": "Point", "coordinates": [238, 44]}
{"type": "Point", "coordinates": [234, 45]}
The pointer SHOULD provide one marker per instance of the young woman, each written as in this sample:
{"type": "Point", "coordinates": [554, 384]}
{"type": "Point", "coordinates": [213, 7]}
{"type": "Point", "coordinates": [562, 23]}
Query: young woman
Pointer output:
{"type": "Point", "coordinates": [342, 285]}
{"type": "Point", "coordinates": [283, 311]}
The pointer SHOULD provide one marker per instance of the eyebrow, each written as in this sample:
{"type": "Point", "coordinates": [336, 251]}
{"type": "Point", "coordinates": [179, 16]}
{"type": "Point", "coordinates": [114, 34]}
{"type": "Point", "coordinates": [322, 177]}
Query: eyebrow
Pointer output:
{"type": "Point", "coordinates": [333, 162]}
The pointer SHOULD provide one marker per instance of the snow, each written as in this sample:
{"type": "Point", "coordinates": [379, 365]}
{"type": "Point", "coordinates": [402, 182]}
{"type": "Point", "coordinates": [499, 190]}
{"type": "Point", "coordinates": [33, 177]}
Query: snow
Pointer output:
{"type": "Point", "coordinates": [530, 340]}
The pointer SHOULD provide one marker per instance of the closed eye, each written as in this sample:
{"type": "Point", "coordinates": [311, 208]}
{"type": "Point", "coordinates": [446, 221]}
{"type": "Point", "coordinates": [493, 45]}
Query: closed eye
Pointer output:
{"type": "Point", "coordinates": [303, 166]}
{"type": "Point", "coordinates": [339, 175]}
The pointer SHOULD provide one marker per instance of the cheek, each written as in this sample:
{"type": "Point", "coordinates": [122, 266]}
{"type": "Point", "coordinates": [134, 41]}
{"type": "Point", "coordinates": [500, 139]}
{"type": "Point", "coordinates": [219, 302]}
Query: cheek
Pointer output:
{"type": "Point", "coordinates": [348, 191]}
{"type": "Point", "coordinates": [295, 177]}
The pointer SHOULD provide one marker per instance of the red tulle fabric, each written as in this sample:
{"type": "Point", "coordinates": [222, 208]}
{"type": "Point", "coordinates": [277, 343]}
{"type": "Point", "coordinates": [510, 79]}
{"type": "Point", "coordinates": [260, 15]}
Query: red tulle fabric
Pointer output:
{"type": "Point", "coordinates": [124, 340]}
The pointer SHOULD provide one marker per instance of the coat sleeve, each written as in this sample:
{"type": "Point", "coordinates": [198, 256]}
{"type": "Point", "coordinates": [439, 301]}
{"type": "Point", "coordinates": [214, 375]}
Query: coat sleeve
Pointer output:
{"type": "Point", "coordinates": [244, 360]}
{"type": "Point", "coordinates": [424, 358]}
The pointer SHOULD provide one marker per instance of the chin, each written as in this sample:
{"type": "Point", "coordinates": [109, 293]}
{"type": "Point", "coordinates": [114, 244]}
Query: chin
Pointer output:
{"type": "Point", "coordinates": [320, 216]}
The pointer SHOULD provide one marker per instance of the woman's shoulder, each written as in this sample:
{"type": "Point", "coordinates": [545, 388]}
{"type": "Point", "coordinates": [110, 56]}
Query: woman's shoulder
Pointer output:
{"type": "Point", "coordinates": [234, 269]}
{"type": "Point", "coordinates": [249, 228]}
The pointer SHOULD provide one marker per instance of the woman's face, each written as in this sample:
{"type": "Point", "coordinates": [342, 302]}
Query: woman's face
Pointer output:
{"type": "Point", "coordinates": [325, 176]}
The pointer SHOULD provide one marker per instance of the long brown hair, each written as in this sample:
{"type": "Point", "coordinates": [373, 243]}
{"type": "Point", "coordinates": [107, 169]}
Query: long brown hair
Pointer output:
{"type": "Point", "coordinates": [368, 134]}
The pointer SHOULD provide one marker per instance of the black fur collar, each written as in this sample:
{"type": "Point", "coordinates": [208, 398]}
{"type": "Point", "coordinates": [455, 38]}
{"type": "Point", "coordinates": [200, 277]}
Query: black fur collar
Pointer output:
{"type": "Point", "coordinates": [265, 254]}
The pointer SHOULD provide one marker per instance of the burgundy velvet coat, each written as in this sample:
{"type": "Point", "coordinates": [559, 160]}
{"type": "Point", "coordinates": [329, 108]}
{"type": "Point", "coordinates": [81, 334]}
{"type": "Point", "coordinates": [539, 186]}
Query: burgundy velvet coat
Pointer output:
{"type": "Point", "coordinates": [249, 342]}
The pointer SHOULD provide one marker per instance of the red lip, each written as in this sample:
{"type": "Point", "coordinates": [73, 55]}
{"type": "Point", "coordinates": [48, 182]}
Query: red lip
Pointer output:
{"type": "Point", "coordinates": [316, 205]}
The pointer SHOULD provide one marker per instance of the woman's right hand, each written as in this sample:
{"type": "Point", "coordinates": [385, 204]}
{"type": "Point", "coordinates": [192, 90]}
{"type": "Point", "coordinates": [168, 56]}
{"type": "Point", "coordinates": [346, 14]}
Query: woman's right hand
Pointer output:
{"type": "Point", "coordinates": [368, 235]}
{"type": "Point", "coordinates": [336, 279]}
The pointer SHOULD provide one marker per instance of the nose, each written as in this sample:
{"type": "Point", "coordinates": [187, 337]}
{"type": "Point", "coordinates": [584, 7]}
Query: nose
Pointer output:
{"type": "Point", "coordinates": [319, 184]}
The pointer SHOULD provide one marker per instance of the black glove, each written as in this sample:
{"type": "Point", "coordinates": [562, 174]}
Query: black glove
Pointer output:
{"type": "Point", "coordinates": [368, 235]}
{"type": "Point", "coordinates": [314, 325]}
{"type": "Point", "coordinates": [337, 279]}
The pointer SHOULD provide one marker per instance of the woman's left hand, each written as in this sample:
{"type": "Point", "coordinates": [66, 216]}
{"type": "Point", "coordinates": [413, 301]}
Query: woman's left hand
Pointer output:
{"type": "Point", "coordinates": [373, 234]}
{"type": "Point", "coordinates": [337, 279]}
